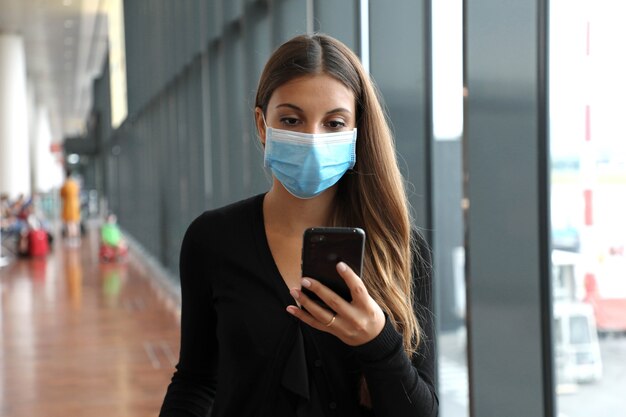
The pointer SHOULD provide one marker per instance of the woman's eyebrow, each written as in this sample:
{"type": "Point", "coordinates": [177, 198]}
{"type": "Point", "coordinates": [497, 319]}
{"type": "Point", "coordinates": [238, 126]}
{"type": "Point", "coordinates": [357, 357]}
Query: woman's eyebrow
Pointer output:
{"type": "Point", "coordinates": [339, 110]}
{"type": "Point", "coordinates": [289, 105]}
{"type": "Point", "coordinates": [294, 107]}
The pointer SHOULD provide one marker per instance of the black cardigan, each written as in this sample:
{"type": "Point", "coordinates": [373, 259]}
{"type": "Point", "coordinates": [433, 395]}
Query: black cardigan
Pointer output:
{"type": "Point", "coordinates": [243, 355]}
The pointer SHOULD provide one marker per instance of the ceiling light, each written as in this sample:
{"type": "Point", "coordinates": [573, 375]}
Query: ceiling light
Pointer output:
{"type": "Point", "coordinates": [69, 23]}
{"type": "Point", "coordinates": [69, 41]}
{"type": "Point", "coordinates": [67, 2]}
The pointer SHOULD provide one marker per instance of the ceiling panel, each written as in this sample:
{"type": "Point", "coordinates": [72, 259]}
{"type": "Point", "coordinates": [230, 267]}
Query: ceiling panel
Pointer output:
{"type": "Point", "coordinates": [65, 42]}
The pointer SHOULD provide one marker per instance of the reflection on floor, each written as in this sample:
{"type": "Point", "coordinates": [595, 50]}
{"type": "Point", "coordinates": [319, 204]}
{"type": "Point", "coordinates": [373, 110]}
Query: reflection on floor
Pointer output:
{"type": "Point", "coordinates": [83, 338]}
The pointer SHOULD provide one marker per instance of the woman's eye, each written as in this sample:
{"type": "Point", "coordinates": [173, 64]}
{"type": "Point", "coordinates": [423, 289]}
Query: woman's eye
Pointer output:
{"type": "Point", "coordinates": [336, 124]}
{"type": "Point", "coordinates": [289, 121]}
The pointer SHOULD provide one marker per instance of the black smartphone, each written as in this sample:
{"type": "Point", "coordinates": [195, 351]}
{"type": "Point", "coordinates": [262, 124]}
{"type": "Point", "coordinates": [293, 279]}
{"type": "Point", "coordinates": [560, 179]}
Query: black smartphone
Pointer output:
{"type": "Point", "coordinates": [323, 248]}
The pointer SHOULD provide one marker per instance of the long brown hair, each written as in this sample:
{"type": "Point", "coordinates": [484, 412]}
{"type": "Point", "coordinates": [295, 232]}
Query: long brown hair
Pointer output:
{"type": "Point", "coordinates": [372, 195]}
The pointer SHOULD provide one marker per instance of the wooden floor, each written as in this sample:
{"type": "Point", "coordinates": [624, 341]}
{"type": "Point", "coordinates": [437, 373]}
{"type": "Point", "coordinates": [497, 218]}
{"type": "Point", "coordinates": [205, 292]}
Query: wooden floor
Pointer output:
{"type": "Point", "coordinates": [83, 338]}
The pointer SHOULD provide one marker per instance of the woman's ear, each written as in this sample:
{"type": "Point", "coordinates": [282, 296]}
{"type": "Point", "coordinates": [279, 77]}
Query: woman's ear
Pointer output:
{"type": "Point", "coordinates": [260, 124]}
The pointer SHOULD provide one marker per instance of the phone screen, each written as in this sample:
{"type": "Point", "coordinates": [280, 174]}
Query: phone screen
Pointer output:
{"type": "Point", "coordinates": [323, 248]}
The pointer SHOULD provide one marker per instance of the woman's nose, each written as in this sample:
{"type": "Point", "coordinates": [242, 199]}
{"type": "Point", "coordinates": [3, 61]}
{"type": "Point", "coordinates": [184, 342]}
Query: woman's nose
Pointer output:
{"type": "Point", "coordinates": [314, 128]}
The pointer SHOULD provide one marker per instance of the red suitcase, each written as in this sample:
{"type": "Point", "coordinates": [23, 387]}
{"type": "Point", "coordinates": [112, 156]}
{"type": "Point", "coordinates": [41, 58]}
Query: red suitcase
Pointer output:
{"type": "Point", "coordinates": [38, 243]}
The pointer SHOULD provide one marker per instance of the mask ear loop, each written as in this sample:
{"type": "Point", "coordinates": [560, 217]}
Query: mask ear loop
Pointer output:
{"type": "Point", "coordinates": [266, 127]}
{"type": "Point", "coordinates": [263, 117]}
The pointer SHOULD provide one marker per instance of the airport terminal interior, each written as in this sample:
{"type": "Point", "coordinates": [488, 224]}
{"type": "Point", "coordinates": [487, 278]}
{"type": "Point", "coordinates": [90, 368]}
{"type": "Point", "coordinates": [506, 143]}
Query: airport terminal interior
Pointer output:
{"type": "Point", "coordinates": [508, 122]}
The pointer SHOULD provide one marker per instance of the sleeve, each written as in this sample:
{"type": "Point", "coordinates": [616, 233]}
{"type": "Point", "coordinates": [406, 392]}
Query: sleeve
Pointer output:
{"type": "Point", "coordinates": [398, 385]}
{"type": "Point", "coordinates": [193, 386]}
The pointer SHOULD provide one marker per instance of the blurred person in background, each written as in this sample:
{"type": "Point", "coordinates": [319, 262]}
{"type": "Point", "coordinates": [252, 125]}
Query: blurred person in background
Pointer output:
{"type": "Point", "coordinates": [112, 243]}
{"type": "Point", "coordinates": [70, 214]}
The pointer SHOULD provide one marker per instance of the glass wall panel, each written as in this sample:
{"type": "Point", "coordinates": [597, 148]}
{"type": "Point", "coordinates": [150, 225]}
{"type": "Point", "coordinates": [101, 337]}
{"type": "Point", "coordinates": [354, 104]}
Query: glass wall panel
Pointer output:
{"type": "Point", "coordinates": [289, 18]}
{"type": "Point", "coordinates": [258, 46]}
{"type": "Point", "coordinates": [338, 19]}
{"type": "Point", "coordinates": [219, 150]}
{"type": "Point", "coordinates": [448, 245]}
{"type": "Point", "coordinates": [237, 149]}
{"type": "Point", "coordinates": [506, 186]}
{"type": "Point", "coordinates": [588, 153]}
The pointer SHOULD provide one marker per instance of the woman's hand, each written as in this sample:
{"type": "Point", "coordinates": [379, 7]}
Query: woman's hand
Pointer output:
{"type": "Point", "coordinates": [355, 323]}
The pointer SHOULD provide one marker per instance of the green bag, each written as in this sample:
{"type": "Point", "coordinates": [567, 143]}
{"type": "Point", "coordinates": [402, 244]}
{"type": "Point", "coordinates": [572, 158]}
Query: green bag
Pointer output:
{"type": "Point", "coordinates": [111, 234]}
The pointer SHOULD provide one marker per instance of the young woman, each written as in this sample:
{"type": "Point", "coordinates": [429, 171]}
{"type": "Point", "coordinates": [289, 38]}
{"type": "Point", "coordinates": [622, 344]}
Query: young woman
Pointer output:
{"type": "Point", "coordinates": [253, 344]}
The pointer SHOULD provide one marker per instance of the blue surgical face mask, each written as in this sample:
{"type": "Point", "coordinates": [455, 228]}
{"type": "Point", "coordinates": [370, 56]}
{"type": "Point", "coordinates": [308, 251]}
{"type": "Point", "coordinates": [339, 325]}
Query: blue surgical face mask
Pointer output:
{"type": "Point", "coordinates": [308, 163]}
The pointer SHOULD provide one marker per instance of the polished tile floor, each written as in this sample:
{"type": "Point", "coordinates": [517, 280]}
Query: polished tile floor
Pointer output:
{"type": "Point", "coordinates": [83, 338]}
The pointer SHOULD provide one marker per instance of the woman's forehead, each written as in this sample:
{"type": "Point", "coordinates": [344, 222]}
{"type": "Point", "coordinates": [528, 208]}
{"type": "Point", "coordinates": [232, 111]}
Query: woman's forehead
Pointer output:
{"type": "Point", "coordinates": [312, 91]}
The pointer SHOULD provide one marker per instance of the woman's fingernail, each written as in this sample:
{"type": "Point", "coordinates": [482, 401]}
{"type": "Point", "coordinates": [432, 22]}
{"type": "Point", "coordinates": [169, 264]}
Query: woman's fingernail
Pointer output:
{"type": "Point", "coordinates": [291, 310]}
{"type": "Point", "coordinates": [294, 293]}
{"type": "Point", "coordinates": [306, 283]}
{"type": "Point", "coordinates": [341, 266]}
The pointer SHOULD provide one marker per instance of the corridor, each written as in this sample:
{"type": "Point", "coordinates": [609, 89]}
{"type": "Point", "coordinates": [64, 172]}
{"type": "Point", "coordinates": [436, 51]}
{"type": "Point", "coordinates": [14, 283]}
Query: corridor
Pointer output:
{"type": "Point", "coordinates": [84, 338]}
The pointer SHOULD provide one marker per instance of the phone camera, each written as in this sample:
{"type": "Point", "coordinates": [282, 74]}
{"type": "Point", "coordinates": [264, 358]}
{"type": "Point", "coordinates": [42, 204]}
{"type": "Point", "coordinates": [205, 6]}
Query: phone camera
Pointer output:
{"type": "Point", "coordinates": [318, 238]}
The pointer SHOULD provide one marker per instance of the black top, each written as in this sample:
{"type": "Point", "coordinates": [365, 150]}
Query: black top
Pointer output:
{"type": "Point", "coordinates": [242, 354]}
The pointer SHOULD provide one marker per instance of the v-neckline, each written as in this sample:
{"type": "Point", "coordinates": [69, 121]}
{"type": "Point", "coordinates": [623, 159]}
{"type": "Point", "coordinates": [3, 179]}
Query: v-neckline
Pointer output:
{"type": "Point", "coordinates": [265, 251]}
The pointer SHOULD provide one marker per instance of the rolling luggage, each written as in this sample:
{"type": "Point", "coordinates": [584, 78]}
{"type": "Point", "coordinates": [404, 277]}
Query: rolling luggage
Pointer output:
{"type": "Point", "coordinates": [38, 243]}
